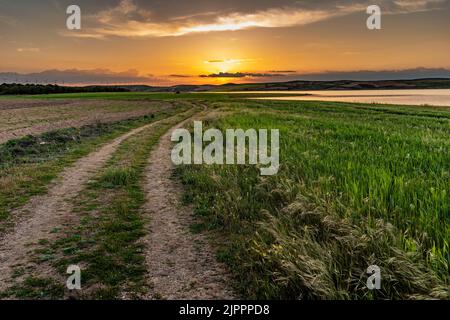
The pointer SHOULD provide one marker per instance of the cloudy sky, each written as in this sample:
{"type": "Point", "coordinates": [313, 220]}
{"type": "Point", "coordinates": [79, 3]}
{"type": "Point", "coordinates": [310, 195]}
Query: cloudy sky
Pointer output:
{"type": "Point", "coordinates": [163, 42]}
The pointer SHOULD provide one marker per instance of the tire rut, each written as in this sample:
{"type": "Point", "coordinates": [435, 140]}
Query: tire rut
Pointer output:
{"type": "Point", "coordinates": [42, 214]}
{"type": "Point", "coordinates": [181, 264]}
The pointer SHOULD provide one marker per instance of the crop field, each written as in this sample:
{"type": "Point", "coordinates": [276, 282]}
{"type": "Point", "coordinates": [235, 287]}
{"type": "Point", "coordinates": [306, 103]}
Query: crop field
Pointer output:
{"type": "Point", "coordinates": [21, 117]}
{"type": "Point", "coordinates": [87, 180]}
{"type": "Point", "coordinates": [358, 185]}
{"type": "Point", "coordinates": [40, 137]}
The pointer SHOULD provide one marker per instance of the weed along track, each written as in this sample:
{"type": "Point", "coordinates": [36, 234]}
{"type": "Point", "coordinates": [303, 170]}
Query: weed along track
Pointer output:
{"type": "Point", "coordinates": [181, 264]}
{"type": "Point", "coordinates": [42, 214]}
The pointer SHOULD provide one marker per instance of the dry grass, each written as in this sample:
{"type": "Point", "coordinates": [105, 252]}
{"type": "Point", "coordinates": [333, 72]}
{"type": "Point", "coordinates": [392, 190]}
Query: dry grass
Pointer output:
{"type": "Point", "coordinates": [25, 117]}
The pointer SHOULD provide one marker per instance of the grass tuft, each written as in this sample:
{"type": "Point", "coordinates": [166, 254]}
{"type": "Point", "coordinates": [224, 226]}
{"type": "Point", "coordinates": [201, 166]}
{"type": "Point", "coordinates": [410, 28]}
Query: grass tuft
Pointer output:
{"type": "Point", "coordinates": [118, 177]}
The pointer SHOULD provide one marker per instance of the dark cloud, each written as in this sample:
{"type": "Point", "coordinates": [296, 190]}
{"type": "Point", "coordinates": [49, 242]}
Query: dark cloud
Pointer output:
{"type": "Point", "coordinates": [74, 76]}
{"type": "Point", "coordinates": [376, 75]}
{"type": "Point", "coordinates": [207, 9]}
{"type": "Point", "coordinates": [347, 75]}
{"type": "Point", "coordinates": [239, 75]}
{"type": "Point", "coordinates": [134, 18]}
{"type": "Point", "coordinates": [283, 71]}
{"type": "Point", "coordinates": [101, 76]}
{"type": "Point", "coordinates": [180, 76]}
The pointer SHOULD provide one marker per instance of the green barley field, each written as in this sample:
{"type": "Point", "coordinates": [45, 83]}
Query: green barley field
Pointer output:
{"type": "Point", "coordinates": [358, 185]}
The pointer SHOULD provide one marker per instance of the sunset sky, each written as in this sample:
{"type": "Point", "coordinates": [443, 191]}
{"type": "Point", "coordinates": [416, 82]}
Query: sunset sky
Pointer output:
{"type": "Point", "coordinates": [162, 42]}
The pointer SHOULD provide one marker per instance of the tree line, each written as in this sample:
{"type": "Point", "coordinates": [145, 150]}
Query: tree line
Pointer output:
{"type": "Point", "coordinates": [22, 89]}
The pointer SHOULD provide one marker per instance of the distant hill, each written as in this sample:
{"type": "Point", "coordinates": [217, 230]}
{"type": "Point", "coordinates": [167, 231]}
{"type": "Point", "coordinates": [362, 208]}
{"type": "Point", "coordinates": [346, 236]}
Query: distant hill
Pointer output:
{"type": "Point", "coordinates": [303, 86]}
{"type": "Point", "coordinates": [300, 85]}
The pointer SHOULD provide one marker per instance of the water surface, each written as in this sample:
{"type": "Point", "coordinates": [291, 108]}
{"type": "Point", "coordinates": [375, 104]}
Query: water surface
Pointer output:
{"type": "Point", "coordinates": [432, 97]}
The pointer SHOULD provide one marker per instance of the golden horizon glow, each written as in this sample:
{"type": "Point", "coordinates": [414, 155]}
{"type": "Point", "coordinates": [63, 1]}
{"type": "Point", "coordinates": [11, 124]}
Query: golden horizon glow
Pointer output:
{"type": "Point", "coordinates": [222, 43]}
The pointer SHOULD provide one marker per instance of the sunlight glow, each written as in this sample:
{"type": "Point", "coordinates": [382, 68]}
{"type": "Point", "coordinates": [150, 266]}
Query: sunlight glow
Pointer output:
{"type": "Point", "coordinates": [227, 65]}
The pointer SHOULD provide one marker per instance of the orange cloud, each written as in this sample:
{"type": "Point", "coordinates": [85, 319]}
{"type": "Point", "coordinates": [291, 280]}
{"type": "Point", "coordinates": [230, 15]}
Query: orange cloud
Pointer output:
{"type": "Point", "coordinates": [28, 50]}
{"type": "Point", "coordinates": [128, 20]}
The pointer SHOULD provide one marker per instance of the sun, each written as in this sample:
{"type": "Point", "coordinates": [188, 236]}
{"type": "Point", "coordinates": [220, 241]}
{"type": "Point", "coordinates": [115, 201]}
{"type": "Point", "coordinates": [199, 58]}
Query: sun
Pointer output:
{"type": "Point", "coordinates": [222, 65]}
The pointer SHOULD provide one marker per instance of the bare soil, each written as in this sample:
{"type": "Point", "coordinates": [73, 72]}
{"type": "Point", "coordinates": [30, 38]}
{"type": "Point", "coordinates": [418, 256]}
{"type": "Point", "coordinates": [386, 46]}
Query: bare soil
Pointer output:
{"type": "Point", "coordinates": [19, 118]}
{"type": "Point", "coordinates": [42, 214]}
{"type": "Point", "coordinates": [181, 265]}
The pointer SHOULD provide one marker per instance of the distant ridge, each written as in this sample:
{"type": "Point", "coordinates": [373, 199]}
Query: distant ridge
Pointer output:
{"type": "Point", "coordinates": [298, 85]}
{"type": "Point", "coordinates": [303, 85]}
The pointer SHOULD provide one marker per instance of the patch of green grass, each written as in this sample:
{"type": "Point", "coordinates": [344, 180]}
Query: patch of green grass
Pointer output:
{"type": "Point", "coordinates": [118, 177]}
{"type": "Point", "coordinates": [36, 288]}
{"type": "Point", "coordinates": [129, 96]}
{"type": "Point", "coordinates": [168, 96]}
{"type": "Point", "coordinates": [358, 185]}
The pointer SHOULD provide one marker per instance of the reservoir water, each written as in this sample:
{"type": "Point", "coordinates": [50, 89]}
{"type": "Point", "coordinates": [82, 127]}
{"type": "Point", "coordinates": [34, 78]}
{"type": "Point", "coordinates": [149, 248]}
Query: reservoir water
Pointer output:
{"type": "Point", "coordinates": [432, 97]}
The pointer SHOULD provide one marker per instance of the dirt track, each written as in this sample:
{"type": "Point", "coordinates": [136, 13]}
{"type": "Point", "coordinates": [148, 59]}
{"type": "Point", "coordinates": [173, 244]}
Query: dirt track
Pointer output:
{"type": "Point", "coordinates": [44, 213]}
{"type": "Point", "coordinates": [181, 265]}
